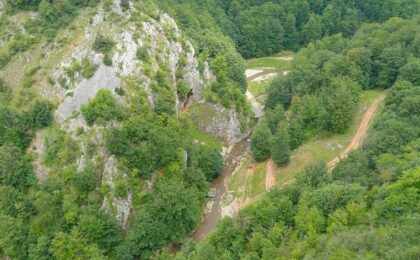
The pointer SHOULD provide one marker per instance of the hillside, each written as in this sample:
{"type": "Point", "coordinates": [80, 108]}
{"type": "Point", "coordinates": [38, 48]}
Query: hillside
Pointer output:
{"type": "Point", "coordinates": [137, 130]}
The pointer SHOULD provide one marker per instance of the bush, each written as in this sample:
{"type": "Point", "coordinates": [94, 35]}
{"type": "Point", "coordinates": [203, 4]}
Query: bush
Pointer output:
{"type": "Point", "coordinates": [182, 89]}
{"type": "Point", "coordinates": [107, 60]}
{"type": "Point", "coordinates": [103, 44]}
{"type": "Point", "coordinates": [125, 4]}
{"type": "Point", "coordinates": [142, 54]}
{"type": "Point", "coordinates": [210, 162]}
{"type": "Point", "coordinates": [40, 115]}
{"type": "Point", "coordinates": [102, 106]}
{"type": "Point", "coordinates": [3, 86]}
{"type": "Point", "coordinates": [88, 68]}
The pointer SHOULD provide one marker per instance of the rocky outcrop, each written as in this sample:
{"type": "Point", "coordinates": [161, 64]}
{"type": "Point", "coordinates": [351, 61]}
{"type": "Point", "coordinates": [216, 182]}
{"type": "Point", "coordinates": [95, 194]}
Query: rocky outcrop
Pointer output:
{"type": "Point", "coordinates": [120, 207]}
{"type": "Point", "coordinates": [104, 78]}
{"type": "Point", "coordinates": [192, 75]}
{"type": "Point", "coordinates": [225, 124]}
{"type": "Point", "coordinates": [125, 60]}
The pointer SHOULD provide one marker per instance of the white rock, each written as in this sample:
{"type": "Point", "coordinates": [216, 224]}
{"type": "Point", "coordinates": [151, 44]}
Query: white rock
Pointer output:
{"type": "Point", "coordinates": [104, 78]}
{"type": "Point", "coordinates": [122, 206]}
{"type": "Point", "coordinates": [212, 193]}
{"type": "Point", "coordinates": [99, 17]}
{"type": "Point", "coordinates": [208, 207]}
{"type": "Point", "coordinates": [230, 210]}
{"type": "Point", "coordinates": [116, 6]}
{"type": "Point", "coordinates": [125, 56]}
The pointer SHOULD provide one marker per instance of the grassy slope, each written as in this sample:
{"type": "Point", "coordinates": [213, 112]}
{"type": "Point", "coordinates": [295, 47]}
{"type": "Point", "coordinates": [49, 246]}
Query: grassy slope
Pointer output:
{"type": "Point", "coordinates": [247, 183]}
{"type": "Point", "coordinates": [36, 55]}
{"type": "Point", "coordinates": [319, 148]}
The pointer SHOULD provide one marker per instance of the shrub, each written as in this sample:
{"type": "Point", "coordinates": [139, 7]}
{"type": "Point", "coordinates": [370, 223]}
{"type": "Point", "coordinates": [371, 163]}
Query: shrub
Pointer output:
{"type": "Point", "coordinates": [125, 4]}
{"type": "Point", "coordinates": [120, 91]}
{"type": "Point", "coordinates": [40, 115]}
{"type": "Point", "coordinates": [142, 54]}
{"type": "Point", "coordinates": [88, 68]}
{"type": "Point", "coordinates": [103, 44]}
{"type": "Point", "coordinates": [182, 89]}
{"type": "Point", "coordinates": [3, 86]}
{"type": "Point", "coordinates": [102, 106]}
{"type": "Point", "coordinates": [107, 60]}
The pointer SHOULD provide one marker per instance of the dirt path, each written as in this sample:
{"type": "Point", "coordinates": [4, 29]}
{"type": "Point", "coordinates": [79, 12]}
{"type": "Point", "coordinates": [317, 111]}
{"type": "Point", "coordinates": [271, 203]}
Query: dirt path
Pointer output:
{"type": "Point", "coordinates": [270, 178]}
{"type": "Point", "coordinates": [360, 134]}
{"type": "Point", "coordinates": [355, 143]}
{"type": "Point", "coordinates": [255, 106]}
{"type": "Point", "coordinates": [260, 74]}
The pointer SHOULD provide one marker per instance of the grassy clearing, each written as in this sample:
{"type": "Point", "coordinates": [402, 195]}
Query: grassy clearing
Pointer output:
{"type": "Point", "coordinates": [268, 62]}
{"type": "Point", "coordinates": [326, 147]}
{"type": "Point", "coordinates": [271, 62]}
{"type": "Point", "coordinates": [248, 183]}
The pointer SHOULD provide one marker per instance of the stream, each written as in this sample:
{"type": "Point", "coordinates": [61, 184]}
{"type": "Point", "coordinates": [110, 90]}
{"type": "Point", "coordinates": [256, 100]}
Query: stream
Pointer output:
{"type": "Point", "coordinates": [220, 185]}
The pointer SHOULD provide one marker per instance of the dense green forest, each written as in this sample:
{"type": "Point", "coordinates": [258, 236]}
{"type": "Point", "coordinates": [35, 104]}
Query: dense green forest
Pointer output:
{"type": "Point", "coordinates": [366, 208]}
{"type": "Point", "coordinates": [263, 27]}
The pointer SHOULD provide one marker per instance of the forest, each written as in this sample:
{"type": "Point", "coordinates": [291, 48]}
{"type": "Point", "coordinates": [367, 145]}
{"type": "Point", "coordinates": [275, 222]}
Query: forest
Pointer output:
{"type": "Point", "coordinates": [366, 208]}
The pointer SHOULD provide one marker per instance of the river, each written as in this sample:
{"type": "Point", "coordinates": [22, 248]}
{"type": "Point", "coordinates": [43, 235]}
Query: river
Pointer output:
{"type": "Point", "coordinates": [221, 184]}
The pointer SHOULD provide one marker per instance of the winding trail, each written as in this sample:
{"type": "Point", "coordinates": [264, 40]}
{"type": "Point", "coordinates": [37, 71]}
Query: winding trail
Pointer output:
{"type": "Point", "coordinates": [360, 133]}
{"type": "Point", "coordinates": [357, 140]}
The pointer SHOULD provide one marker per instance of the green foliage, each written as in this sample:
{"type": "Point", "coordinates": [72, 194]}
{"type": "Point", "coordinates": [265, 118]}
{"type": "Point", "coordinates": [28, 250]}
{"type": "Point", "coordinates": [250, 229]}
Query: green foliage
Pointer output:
{"type": "Point", "coordinates": [172, 211]}
{"type": "Point", "coordinates": [210, 162]}
{"type": "Point", "coordinates": [102, 106]}
{"type": "Point", "coordinates": [182, 89]}
{"type": "Point", "coordinates": [84, 181]}
{"type": "Point", "coordinates": [280, 148]}
{"type": "Point", "coordinates": [314, 176]}
{"type": "Point", "coordinates": [261, 142]}
{"type": "Point", "coordinates": [125, 5]}
{"type": "Point", "coordinates": [107, 60]}
{"type": "Point", "coordinates": [61, 149]}
{"type": "Point", "coordinates": [15, 168]}
{"type": "Point", "coordinates": [103, 44]}
{"type": "Point", "coordinates": [146, 143]}
{"type": "Point", "coordinates": [88, 68]}
{"type": "Point", "coordinates": [355, 169]}
{"type": "Point", "coordinates": [143, 54]}
{"type": "Point", "coordinates": [411, 71]}
{"type": "Point", "coordinates": [40, 115]}
{"type": "Point", "coordinates": [73, 245]}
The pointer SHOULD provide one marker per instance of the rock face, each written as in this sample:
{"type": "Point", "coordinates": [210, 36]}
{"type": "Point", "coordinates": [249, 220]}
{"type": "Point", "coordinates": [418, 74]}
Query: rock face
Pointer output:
{"type": "Point", "coordinates": [119, 206]}
{"type": "Point", "coordinates": [220, 122]}
{"type": "Point", "coordinates": [192, 75]}
{"type": "Point", "coordinates": [125, 59]}
{"type": "Point", "coordinates": [104, 78]}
